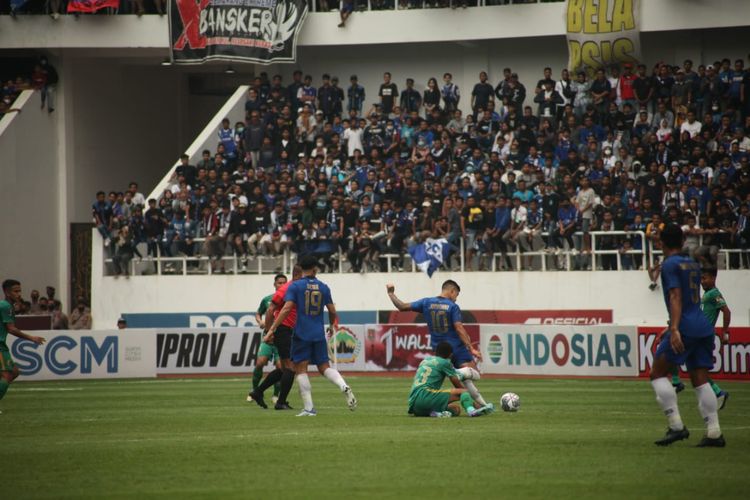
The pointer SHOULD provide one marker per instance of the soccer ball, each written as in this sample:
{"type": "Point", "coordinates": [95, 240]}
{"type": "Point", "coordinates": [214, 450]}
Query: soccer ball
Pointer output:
{"type": "Point", "coordinates": [510, 401]}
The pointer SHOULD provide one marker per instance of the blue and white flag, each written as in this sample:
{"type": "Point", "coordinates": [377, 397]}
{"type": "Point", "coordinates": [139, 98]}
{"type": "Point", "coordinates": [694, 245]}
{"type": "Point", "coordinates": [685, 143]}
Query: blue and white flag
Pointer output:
{"type": "Point", "coordinates": [428, 256]}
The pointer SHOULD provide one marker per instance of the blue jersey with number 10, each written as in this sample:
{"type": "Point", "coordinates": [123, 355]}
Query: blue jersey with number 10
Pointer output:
{"type": "Point", "coordinates": [310, 296]}
{"type": "Point", "coordinates": [680, 271]}
{"type": "Point", "coordinates": [440, 314]}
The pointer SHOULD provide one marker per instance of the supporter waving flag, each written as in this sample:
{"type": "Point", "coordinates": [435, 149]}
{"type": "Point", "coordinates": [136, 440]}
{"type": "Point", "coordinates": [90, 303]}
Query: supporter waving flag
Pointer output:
{"type": "Point", "coordinates": [430, 255]}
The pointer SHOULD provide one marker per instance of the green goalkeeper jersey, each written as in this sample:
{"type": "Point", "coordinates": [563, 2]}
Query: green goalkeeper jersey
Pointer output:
{"type": "Point", "coordinates": [7, 315]}
{"type": "Point", "coordinates": [711, 304]}
{"type": "Point", "coordinates": [430, 375]}
{"type": "Point", "coordinates": [263, 307]}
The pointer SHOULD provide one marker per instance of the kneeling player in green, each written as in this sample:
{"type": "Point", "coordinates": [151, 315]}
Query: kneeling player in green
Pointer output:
{"type": "Point", "coordinates": [428, 399]}
{"type": "Point", "coordinates": [712, 304]}
{"type": "Point", "coordinates": [8, 369]}
{"type": "Point", "coordinates": [267, 352]}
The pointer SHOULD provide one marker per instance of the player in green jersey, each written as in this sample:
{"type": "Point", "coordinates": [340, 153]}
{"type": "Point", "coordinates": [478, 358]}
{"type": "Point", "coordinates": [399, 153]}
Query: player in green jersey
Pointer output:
{"type": "Point", "coordinates": [712, 304]}
{"type": "Point", "coordinates": [8, 369]}
{"type": "Point", "coordinates": [429, 399]}
{"type": "Point", "coordinates": [267, 352]}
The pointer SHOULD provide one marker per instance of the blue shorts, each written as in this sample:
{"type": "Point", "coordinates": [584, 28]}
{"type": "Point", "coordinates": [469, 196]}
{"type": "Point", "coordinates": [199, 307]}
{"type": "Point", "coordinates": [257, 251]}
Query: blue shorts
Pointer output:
{"type": "Point", "coordinates": [698, 353]}
{"type": "Point", "coordinates": [347, 6]}
{"type": "Point", "coordinates": [461, 354]}
{"type": "Point", "coordinates": [314, 352]}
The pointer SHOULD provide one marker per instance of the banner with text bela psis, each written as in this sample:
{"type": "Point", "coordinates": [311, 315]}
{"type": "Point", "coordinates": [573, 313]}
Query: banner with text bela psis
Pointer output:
{"type": "Point", "coordinates": [257, 31]}
{"type": "Point", "coordinates": [602, 33]}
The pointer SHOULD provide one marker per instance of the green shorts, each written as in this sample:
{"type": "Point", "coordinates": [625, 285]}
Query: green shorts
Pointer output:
{"type": "Point", "coordinates": [6, 362]}
{"type": "Point", "coordinates": [268, 351]}
{"type": "Point", "coordinates": [429, 400]}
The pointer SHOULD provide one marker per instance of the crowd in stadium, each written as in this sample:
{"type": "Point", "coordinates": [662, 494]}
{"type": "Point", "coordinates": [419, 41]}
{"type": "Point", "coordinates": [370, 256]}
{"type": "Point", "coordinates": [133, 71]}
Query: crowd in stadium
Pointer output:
{"type": "Point", "coordinates": [56, 8]}
{"type": "Point", "coordinates": [43, 78]}
{"type": "Point", "coordinates": [314, 170]}
{"type": "Point", "coordinates": [48, 305]}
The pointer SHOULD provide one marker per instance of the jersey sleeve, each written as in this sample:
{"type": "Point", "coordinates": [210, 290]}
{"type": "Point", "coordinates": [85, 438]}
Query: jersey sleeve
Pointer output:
{"type": "Point", "coordinates": [327, 299]}
{"type": "Point", "coordinates": [447, 369]}
{"type": "Point", "coordinates": [719, 300]}
{"type": "Point", "coordinates": [263, 307]}
{"type": "Point", "coordinates": [417, 305]}
{"type": "Point", "coordinates": [455, 314]}
{"type": "Point", "coordinates": [278, 297]}
{"type": "Point", "coordinates": [291, 294]}
{"type": "Point", "coordinates": [670, 276]}
{"type": "Point", "coordinates": [6, 313]}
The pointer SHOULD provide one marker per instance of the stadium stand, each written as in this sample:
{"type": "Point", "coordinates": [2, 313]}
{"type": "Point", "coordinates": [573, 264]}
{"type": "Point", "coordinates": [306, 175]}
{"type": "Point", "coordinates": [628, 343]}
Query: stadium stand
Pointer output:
{"type": "Point", "coordinates": [586, 178]}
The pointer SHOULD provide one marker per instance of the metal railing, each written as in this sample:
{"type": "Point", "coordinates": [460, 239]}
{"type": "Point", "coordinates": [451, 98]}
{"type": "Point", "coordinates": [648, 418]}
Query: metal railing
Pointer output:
{"type": "Point", "coordinates": [566, 258]}
{"type": "Point", "coordinates": [374, 5]}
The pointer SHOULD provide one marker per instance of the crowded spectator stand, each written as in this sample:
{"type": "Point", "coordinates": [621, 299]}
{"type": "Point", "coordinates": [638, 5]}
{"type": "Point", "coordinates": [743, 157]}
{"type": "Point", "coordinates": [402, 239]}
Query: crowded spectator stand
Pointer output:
{"type": "Point", "coordinates": [585, 178]}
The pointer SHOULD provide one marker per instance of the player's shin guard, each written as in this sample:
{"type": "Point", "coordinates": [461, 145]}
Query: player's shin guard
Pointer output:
{"type": "Point", "coordinates": [467, 402]}
{"type": "Point", "coordinates": [287, 380]}
{"type": "Point", "coordinates": [4, 384]}
{"type": "Point", "coordinates": [667, 399]}
{"type": "Point", "coordinates": [709, 410]}
{"type": "Point", "coordinates": [305, 390]}
{"type": "Point", "coordinates": [271, 379]}
{"type": "Point", "coordinates": [474, 392]}
{"type": "Point", "coordinates": [335, 377]}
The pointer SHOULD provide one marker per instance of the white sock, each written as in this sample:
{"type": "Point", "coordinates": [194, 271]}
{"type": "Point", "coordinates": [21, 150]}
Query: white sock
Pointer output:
{"type": "Point", "coordinates": [335, 377]}
{"type": "Point", "coordinates": [305, 390]}
{"type": "Point", "coordinates": [667, 399]}
{"type": "Point", "coordinates": [474, 392]}
{"type": "Point", "coordinates": [708, 406]}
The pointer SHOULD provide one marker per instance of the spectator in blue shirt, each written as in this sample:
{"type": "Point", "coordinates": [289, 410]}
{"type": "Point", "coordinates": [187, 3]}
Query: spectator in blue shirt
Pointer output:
{"type": "Point", "coordinates": [356, 95]}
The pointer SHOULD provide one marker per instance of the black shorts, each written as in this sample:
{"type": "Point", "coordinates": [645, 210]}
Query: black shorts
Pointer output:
{"type": "Point", "coordinates": [282, 339]}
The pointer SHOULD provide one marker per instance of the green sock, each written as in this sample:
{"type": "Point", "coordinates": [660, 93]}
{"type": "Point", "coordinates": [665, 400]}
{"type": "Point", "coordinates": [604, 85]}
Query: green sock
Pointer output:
{"type": "Point", "coordinates": [714, 386]}
{"type": "Point", "coordinates": [277, 389]}
{"type": "Point", "coordinates": [4, 384]}
{"type": "Point", "coordinates": [675, 376]}
{"type": "Point", "coordinates": [467, 402]}
{"type": "Point", "coordinates": [257, 377]}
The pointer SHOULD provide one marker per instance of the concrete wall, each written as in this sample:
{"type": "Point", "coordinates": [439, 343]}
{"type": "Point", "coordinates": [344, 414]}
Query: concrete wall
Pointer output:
{"type": "Point", "coordinates": [625, 292]}
{"type": "Point", "coordinates": [29, 196]}
{"type": "Point", "coordinates": [507, 21]}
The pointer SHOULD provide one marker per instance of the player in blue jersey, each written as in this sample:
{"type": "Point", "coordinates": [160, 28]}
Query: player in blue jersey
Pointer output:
{"type": "Point", "coordinates": [309, 346]}
{"type": "Point", "coordinates": [443, 318]}
{"type": "Point", "coordinates": [689, 340]}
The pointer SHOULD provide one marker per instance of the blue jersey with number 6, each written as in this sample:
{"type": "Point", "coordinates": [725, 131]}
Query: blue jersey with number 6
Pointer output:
{"type": "Point", "coordinates": [682, 272]}
{"type": "Point", "coordinates": [440, 314]}
{"type": "Point", "coordinates": [311, 296]}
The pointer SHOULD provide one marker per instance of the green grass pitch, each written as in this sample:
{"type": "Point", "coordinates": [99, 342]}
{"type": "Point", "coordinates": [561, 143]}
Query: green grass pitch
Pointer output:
{"type": "Point", "coordinates": [198, 438]}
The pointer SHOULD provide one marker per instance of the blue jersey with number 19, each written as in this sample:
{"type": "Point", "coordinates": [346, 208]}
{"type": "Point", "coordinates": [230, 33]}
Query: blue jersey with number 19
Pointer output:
{"type": "Point", "coordinates": [311, 296]}
{"type": "Point", "coordinates": [680, 271]}
{"type": "Point", "coordinates": [440, 314]}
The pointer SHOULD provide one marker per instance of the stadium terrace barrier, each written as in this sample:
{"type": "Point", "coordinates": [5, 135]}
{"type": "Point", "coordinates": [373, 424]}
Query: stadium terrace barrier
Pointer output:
{"type": "Point", "coordinates": [542, 260]}
{"type": "Point", "coordinates": [86, 354]}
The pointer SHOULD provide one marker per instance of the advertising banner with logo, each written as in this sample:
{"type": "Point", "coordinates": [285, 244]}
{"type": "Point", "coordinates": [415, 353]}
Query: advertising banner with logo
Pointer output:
{"type": "Point", "coordinates": [731, 361]}
{"type": "Point", "coordinates": [401, 347]}
{"type": "Point", "coordinates": [602, 32]}
{"type": "Point", "coordinates": [258, 31]}
{"type": "Point", "coordinates": [514, 316]}
{"type": "Point", "coordinates": [559, 350]}
{"type": "Point", "coordinates": [233, 350]}
{"type": "Point", "coordinates": [83, 354]}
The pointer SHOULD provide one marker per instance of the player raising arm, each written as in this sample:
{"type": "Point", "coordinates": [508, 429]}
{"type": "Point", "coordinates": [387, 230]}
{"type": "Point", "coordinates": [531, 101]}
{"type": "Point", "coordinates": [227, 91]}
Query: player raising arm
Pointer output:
{"type": "Point", "coordinates": [689, 340]}
{"type": "Point", "coordinates": [443, 318]}
{"type": "Point", "coordinates": [8, 369]}
{"type": "Point", "coordinates": [308, 295]}
{"type": "Point", "coordinates": [428, 399]}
